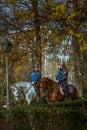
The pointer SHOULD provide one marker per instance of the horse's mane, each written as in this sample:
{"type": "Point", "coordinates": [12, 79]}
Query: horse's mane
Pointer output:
{"type": "Point", "coordinates": [48, 79]}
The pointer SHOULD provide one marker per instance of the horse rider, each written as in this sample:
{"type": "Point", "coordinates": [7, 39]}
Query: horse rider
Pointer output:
{"type": "Point", "coordinates": [61, 77]}
{"type": "Point", "coordinates": [34, 77]}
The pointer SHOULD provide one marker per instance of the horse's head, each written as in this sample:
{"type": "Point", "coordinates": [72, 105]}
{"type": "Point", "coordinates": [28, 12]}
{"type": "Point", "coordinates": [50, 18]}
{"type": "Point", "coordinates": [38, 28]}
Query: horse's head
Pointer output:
{"type": "Point", "coordinates": [42, 89]}
{"type": "Point", "coordinates": [46, 86]}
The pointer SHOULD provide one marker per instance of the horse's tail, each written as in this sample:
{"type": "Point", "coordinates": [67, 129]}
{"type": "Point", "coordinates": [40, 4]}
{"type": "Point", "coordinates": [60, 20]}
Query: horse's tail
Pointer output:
{"type": "Point", "coordinates": [61, 90]}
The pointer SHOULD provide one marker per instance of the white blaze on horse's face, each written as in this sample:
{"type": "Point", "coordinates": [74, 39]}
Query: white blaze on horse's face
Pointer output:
{"type": "Point", "coordinates": [29, 91]}
{"type": "Point", "coordinates": [15, 92]}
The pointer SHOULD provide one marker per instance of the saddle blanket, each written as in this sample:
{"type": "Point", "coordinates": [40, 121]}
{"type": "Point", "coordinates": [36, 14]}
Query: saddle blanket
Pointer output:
{"type": "Point", "coordinates": [70, 90]}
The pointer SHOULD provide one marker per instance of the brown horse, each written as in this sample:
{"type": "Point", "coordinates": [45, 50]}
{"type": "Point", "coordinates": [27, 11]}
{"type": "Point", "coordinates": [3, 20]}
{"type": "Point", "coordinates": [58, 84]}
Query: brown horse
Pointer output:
{"type": "Point", "coordinates": [53, 92]}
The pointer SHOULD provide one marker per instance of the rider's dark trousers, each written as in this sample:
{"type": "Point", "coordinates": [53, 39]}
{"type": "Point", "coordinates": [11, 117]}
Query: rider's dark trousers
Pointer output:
{"type": "Point", "coordinates": [65, 87]}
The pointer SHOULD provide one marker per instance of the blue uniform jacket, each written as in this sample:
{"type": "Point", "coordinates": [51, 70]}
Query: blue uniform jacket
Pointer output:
{"type": "Point", "coordinates": [35, 76]}
{"type": "Point", "coordinates": [62, 75]}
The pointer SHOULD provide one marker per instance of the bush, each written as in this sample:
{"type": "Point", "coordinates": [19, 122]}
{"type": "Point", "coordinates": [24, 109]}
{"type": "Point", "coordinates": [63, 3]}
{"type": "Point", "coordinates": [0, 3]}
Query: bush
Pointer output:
{"type": "Point", "coordinates": [70, 115]}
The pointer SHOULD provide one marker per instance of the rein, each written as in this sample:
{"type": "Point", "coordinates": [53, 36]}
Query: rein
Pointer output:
{"type": "Point", "coordinates": [28, 89]}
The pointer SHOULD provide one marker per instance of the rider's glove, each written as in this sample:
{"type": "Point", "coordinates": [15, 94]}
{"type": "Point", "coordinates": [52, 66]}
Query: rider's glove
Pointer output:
{"type": "Point", "coordinates": [33, 83]}
{"type": "Point", "coordinates": [57, 81]}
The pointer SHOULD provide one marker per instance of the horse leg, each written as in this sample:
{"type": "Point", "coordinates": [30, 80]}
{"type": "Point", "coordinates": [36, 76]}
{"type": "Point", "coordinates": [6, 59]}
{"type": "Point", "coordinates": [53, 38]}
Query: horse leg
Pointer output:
{"type": "Point", "coordinates": [29, 102]}
{"type": "Point", "coordinates": [37, 98]}
{"type": "Point", "coordinates": [29, 98]}
{"type": "Point", "coordinates": [69, 96]}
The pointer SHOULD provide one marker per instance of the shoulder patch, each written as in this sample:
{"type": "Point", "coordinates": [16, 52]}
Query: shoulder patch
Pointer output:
{"type": "Point", "coordinates": [65, 71]}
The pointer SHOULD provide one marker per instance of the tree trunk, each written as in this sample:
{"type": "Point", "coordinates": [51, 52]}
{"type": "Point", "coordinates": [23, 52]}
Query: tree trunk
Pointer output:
{"type": "Point", "coordinates": [37, 41]}
{"type": "Point", "coordinates": [77, 70]}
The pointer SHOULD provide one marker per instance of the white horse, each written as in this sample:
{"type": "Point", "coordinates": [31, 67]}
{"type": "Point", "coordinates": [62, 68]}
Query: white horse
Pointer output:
{"type": "Point", "coordinates": [28, 89]}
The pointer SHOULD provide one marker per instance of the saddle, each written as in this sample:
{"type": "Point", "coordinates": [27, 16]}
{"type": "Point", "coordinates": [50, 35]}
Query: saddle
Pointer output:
{"type": "Point", "coordinates": [69, 88]}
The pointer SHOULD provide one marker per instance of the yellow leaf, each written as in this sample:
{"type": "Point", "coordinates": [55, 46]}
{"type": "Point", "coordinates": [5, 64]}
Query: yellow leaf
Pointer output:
{"type": "Point", "coordinates": [42, 45]}
{"type": "Point", "coordinates": [84, 47]}
{"type": "Point", "coordinates": [60, 10]}
{"type": "Point", "coordinates": [70, 32]}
